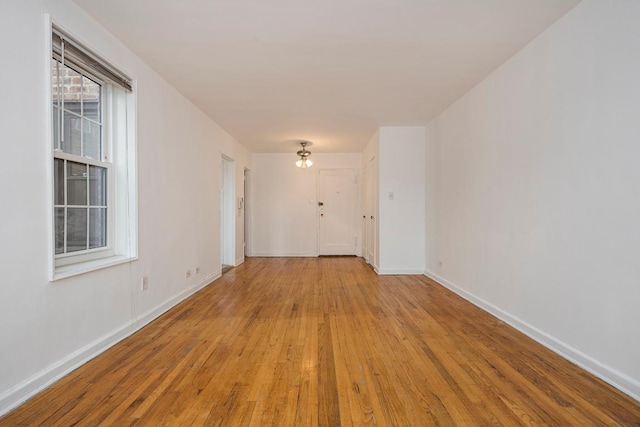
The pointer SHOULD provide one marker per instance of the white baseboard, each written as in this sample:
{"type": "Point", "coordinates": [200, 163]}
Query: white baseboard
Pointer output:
{"type": "Point", "coordinates": [239, 262]}
{"type": "Point", "coordinates": [619, 380]}
{"type": "Point", "coordinates": [26, 389]}
{"type": "Point", "coordinates": [284, 254]}
{"type": "Point", "coordinates": [399, 271]}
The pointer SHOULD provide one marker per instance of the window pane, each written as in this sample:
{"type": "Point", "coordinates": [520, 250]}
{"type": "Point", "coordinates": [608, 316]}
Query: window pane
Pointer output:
{"type": "Point", "coordinates": [59, 230]}
{"type": "Point", "coordinates": [76, 229]}
{"type": "Point", "coordinates": [71, 89]}
{"type": "Point", "coordinates": [76, 184]}
{"type": "Point", "coordinates": [90, 99]}
{"type": "Point", "coordinates": [97, 227]}
{"type": "Point", "coordinates": [72, 132]}
{"type": "Point", "coordinates": [91, 132]}
{"type": "Point", "coordinates": [58, 182]}
{"type": "Point", "coordinates": [97, 186]}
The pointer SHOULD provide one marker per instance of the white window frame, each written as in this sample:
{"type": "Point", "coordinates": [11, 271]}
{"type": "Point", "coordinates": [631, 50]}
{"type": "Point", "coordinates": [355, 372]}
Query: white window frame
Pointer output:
{"type": "Point", "coordinates": [118, 118]}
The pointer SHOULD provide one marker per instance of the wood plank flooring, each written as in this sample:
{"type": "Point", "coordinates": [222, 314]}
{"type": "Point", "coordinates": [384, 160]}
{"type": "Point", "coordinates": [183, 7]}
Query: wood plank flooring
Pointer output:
{"type": "Point", "coordinates": [326, 342]}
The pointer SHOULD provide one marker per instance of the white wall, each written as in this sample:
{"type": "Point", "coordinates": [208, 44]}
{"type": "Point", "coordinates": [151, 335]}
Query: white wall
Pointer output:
{"type": "Point", "coordinates": [401, 217]}
{"type": "Point", "coordinates": [48, 328]}
{"type": "Point", "coordinates": [284, 202]}
{"type": "Point", "coordinates": [538, 190]}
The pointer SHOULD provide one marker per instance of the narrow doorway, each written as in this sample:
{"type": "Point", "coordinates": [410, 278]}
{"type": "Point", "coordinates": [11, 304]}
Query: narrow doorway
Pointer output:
{"type": "Point", "coordinates": [246, 205]}
{"type": "Point", "coordinates": [227, 212]}
{"type": "Point", "coordinates": [369, 212]}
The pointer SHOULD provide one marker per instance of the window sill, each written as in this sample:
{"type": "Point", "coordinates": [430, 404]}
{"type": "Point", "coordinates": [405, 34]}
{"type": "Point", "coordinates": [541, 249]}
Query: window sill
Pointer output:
{"type": "Point", "coordinates": [71, 270]}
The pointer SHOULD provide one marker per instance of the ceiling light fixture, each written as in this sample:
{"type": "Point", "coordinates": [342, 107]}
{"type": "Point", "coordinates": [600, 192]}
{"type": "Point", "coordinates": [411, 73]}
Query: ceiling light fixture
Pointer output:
{"type": "Point", "coordinates": [304, 162]}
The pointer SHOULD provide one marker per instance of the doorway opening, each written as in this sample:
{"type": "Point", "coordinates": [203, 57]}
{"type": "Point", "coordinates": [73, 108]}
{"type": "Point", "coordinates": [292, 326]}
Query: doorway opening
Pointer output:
{"type": "Point", "coordinates": [246, 213]}
{"type": "Point", "coordinates": [227, 212]}
{"type": "Point", "coordinates": [369, 230]}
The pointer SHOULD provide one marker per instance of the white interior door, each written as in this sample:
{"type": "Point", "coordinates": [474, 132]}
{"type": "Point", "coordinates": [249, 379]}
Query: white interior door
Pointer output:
{"type": "Point", "coordinates": [337, 204]}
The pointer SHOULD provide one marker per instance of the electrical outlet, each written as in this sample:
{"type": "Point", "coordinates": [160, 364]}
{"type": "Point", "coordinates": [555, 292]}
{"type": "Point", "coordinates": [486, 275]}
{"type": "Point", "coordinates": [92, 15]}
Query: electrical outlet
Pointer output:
{"type": "Point", "coordinates": [187, 274]}
{"type": "Point", "coordinates": [197, 270]}
{"type": "Point", "coordinates": [144, 283]}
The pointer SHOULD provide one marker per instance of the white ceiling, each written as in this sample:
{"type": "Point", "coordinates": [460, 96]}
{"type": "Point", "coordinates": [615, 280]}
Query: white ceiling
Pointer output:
{"type": "Point", "coordinates": [328, 71]}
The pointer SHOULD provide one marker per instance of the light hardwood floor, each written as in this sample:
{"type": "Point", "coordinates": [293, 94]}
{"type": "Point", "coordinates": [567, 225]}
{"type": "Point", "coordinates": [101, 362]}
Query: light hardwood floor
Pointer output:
{"type": "Point", "coordinates": [326, 342]}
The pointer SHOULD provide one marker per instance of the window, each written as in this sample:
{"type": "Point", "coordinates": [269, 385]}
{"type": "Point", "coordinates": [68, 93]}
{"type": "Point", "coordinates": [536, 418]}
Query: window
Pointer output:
{"type": "Point", "coordinates": [93, 159]}
{"type": "Point", "coordinates": [80, 168]}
